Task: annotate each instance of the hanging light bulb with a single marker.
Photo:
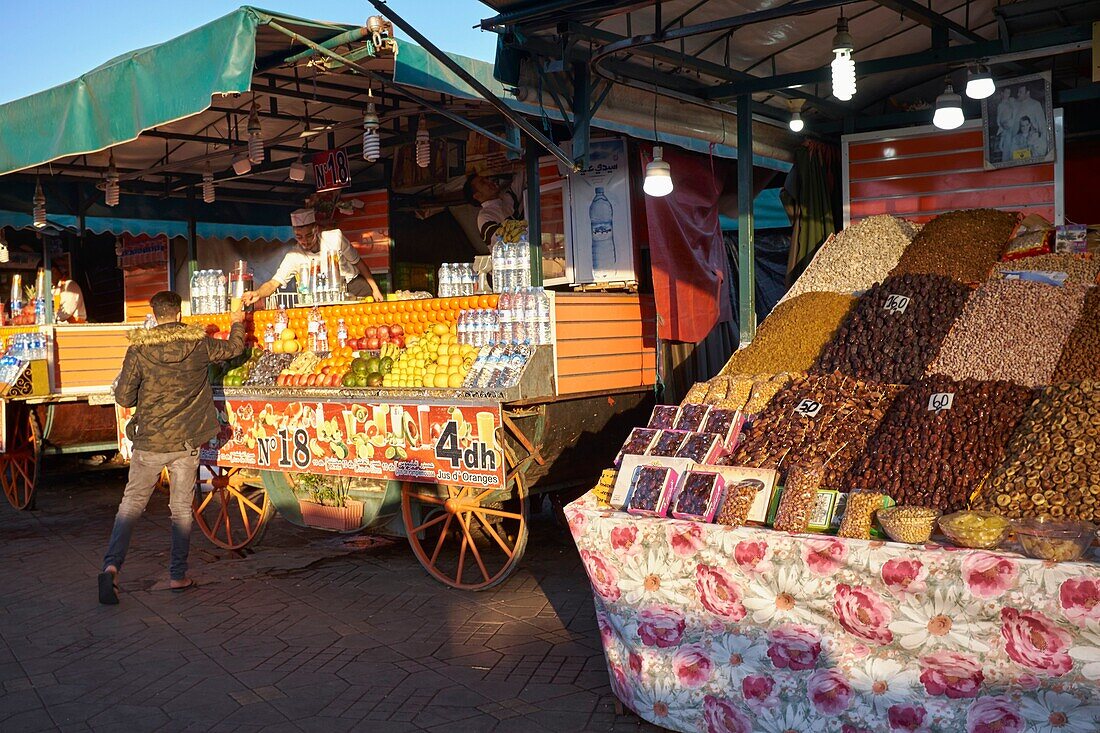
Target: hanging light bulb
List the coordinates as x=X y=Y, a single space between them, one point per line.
x=423 y=145
x=242 y=165
x=372 y=141
x=796 y=124
x=39 y=211
x=949 y=112
x=979 y=82
x=298 y=168
x=843 y=66
x=255 y=135
x=208 y=194
x=111 y=192
x=658 y=175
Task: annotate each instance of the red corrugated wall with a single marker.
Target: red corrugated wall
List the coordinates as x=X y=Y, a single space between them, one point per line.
x=920 y=176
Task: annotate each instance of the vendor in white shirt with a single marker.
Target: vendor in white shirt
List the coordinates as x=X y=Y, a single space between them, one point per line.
x=357 y=276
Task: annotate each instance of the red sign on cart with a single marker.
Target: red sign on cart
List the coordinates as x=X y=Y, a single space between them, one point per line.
x=423 y=443
x=331 y=170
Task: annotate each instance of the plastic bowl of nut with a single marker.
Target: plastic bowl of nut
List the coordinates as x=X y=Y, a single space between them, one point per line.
x=1049 y=539
x=975 y=529
x=910 y=524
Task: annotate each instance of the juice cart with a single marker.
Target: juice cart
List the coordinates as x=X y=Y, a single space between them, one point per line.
x=455 y=471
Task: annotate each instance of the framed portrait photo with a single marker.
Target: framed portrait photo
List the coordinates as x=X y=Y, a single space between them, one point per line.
x=1018 y=123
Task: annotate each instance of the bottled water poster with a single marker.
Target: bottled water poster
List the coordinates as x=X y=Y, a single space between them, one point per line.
x=603 y=243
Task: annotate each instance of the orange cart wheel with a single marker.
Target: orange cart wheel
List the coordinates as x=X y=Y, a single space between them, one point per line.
x=464 y=537
x=230 y=513
x=19 y=465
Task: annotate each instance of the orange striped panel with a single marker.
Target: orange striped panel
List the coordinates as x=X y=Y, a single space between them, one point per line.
x=605 y=341
x=140 y=285
x=368 y=228
x=89 y=357
x=925 y=175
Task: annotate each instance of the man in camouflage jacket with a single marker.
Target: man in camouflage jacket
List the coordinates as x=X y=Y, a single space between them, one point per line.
x=165 y=376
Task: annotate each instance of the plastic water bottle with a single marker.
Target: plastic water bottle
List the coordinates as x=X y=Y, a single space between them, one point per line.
x=150 y=321
x=223 y=293
x=519 y=317
x=194 y=292
x=444 y=281
x=281 y=320
x=313 y=327
x=504 y=318
x=601 y=215
x=322 y=337
x=545 y=333
x=341 y=333
x=269 y=337
x=523 y=263
x=462 y=326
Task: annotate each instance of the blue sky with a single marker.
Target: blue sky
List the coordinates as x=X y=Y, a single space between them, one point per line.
x=47 y=42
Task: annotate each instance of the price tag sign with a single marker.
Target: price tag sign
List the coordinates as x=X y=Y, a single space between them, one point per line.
x=941 y=401
x=896 y=304
x=808 y=408
x=331 y=170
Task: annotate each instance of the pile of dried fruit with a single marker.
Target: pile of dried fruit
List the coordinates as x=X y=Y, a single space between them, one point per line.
x=895 y=330
x=963 y=245
x=857 y=257
x=1081 y=271
x=1053 y=460
x=747 y=393
x=1012 y=330
x=939 y=440
x=791 y=337
x=828 y=417
x=1080 y=359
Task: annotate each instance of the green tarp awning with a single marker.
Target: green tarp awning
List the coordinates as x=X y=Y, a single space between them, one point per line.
x=146 y=88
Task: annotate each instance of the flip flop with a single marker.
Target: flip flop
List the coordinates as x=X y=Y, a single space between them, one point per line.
x=190 y=584
x=108 y=589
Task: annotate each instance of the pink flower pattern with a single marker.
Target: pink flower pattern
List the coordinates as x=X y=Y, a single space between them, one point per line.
x=1024 y=632
x=1080 y=600
x=1033 y=641
x=863 y=614
x=718 y=593
x=988 y=575
x=996 y=714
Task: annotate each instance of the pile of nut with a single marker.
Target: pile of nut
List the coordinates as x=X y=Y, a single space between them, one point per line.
x=792 y=335
x=939 y=440
x=963 y=245
x=1052 y=465
x=1081 y=271
x=1080 y=357
x=1012 y=330
x=895 y=330
x=854 y=259
x=827 y=417
x=268 y=368
x=748 y=393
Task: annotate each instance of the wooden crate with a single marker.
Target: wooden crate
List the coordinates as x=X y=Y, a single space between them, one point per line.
x=605 y=341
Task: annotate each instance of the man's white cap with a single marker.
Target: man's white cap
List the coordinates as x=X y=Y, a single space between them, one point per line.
x=303 y=217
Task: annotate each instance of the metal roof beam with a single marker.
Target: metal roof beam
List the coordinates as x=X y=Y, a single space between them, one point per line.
x=930 y=18
x=1021 y=47
x=710 y=68
x=549 y=12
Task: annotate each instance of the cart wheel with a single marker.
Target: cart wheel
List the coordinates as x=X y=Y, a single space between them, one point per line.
x=19 y=465
x=461 y=538
x=230 y=514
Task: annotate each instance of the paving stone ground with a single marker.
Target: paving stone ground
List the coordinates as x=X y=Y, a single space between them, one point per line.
x=312 y=632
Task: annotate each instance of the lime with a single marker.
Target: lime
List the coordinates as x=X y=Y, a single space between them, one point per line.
x=385 y=365
x=374 y=364
x=360 y=380
x=349 y=380
x=359 y=366
x=374 y=379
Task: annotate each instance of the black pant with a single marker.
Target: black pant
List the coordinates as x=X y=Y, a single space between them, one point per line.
x=359 y=287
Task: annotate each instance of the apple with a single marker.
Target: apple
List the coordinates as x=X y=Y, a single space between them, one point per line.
x=397 y=330
x=371 y=332
x=326 y=370
x=383 y=332
x=281 y=380
x=373 y=344
x=399 y=341
x=211 y=329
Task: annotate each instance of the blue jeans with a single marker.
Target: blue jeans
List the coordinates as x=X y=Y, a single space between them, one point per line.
x=145 y=468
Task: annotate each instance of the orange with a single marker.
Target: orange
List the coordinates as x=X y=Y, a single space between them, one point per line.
x=434 y=304
x=493 y=300
x=277 y=346
x=483 y=301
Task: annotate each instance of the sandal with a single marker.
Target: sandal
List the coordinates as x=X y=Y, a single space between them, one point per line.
x=108 y=588
x=180 y=589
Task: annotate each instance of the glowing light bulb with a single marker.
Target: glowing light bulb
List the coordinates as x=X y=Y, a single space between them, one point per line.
x=843 y=65
x=658 y=175
x=949 y=113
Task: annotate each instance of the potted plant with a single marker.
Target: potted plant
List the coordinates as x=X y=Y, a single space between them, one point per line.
x=326 y=503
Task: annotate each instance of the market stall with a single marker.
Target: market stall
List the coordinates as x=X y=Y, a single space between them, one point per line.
x=880 y=515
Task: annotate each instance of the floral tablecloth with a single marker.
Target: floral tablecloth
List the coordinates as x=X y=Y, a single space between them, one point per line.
x=732 y=630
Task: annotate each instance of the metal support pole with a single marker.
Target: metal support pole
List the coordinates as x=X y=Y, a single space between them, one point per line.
x=582 y=111
x=534 y=209
x=192 y=250
x=746 y=259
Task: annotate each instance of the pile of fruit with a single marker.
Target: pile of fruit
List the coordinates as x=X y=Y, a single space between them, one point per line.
x=286 y=343
x=435 y=359
x=375 y=338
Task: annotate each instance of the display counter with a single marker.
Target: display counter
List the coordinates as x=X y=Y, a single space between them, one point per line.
x=715 y=628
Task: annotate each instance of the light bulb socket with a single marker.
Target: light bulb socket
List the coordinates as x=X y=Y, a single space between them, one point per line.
x=842 y=41
x=298 y=171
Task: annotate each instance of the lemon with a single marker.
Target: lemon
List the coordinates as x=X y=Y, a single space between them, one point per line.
x=440 y=379
x=454 y=381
